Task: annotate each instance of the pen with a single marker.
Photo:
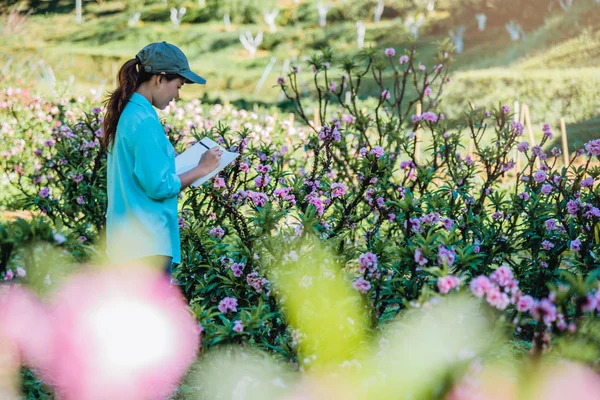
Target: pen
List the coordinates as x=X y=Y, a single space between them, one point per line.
x=205 y=146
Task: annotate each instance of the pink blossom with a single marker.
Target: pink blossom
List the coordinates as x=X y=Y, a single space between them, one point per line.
x=21 y=272
x=429 y=116
x=338 y=189
x=502 y=276
x=228 y=304
x=244 y=167
x=590 y=303
x=219 y=183
x=262 y=181
x=368 y=261
x=9 y=275
x=403 y=60
x=422 y=67
x=385 y=94
x=348 y=118
x=280 y=80
x=427 y=92
x=446 y=283
x=480 y=286
x=505 y=109
x=332 y=87
x=362 y=285
x=390 y=52
x=377 y=151
x=238 y=327
x=80 y=200
x=525 y=303
x=497 y=299
x=545 y=310
x=237 y=269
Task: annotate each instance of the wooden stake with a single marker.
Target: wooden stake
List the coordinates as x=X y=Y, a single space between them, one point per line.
x=274 y=119
x=565 y=143
x=316 y=123
x=530 y=130
x=517 y=155
x=418 y=136
x=291 y=118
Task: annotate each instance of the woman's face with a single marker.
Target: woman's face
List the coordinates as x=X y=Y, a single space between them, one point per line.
x=165 y=91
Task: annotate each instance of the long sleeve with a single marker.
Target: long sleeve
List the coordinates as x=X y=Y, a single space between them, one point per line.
x=153 y=162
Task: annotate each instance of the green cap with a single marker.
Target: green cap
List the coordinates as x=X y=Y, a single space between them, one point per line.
x=164 y=57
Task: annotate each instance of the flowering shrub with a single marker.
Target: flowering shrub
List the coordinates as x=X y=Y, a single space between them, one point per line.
x=405 y=226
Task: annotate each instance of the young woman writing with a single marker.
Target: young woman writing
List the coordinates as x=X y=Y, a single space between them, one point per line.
x=142 y=185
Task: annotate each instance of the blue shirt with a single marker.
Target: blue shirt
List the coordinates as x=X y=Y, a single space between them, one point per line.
x=143 y=188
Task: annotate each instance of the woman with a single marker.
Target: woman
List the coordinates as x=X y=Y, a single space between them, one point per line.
x=141 y=218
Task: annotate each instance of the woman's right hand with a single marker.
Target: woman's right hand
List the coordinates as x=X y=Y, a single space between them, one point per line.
x=210 y=159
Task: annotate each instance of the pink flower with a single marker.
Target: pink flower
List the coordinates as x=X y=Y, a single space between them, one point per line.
x=262 y=181
x=403 y=60
x=228 y=304
x=422 y=67
x=446 y=283
x=280 y=80
x=238 y=327
x=427 y=92
x=385 y=94
x=237 y=269
x=502 y=276
x=219 y=183
x=590 y=303
x=525 y=303
x=544 y=309
x=332 y=87
x=244 y=167
x=377 y=151
x=390 y=52
x=497 y=299
x=367 y=261
x=505 y=109
x=429 y=116
x=21 y=272
x=338 y=189
x=348 y=119
x=9 y=275
x=80 y=200
x=362 y=285
x=517 y=128
x=480 y=286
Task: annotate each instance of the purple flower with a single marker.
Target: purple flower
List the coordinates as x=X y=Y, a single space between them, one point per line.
x=448 y=223
x=505 y=109
x=524 y=196
x=427 y=91
x=419 y=258
x=572 y=207
x=390 y=52
x=517 y=128
x=593 y=147
x=385 y=94
x=525 y=303
x=217 y=232
x=280 y=80
x=362 y=285
x=367 y=261
x=422 y=67
x=429 y=116
x=403 y=60
x=546 y=189
x=575 y=245
x=80 y=200
x=228 y=303
x=96 y=110
x=547 y=245
x=587 y=182
x=332 y=87
x=44 y=192
x=338 y=189
x=523 y=147
x=539 y=176
x=445 y=256
x=547 y=131
x=551 y=224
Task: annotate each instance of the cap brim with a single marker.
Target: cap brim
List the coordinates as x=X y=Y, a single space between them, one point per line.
x=193 y=77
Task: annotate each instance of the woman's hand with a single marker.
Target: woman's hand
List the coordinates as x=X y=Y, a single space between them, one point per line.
x=208 y=162
x=210 y=159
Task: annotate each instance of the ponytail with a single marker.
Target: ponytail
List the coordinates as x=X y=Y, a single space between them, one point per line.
x=131 y=76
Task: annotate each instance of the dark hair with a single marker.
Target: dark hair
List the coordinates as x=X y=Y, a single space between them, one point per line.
x=130 y=76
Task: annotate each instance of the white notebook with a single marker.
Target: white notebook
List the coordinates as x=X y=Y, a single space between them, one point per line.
x=190 y=158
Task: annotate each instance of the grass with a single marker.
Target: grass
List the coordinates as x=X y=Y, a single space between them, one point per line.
x=491 y=69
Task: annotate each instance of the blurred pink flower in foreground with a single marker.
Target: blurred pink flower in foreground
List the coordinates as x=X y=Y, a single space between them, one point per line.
x=120 y=333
